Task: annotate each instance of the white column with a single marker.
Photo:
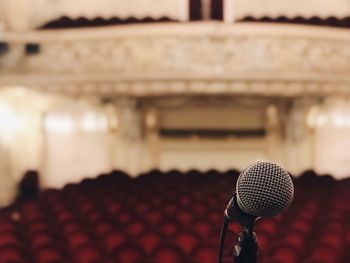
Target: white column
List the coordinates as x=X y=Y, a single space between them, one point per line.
x=332 y=138
x=184 y=10
x=152 y=137
x=76 y=143
x=298 y=138
x=18 y=14
x=2 y=16
x=229 y=11
x=274 y=134
x=8 y=182
x=130 y=151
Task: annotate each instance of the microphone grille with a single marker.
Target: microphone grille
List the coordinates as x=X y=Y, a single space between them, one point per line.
x=264 y=189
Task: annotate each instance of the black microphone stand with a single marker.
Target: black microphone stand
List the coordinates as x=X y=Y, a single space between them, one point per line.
x=245 y=251
x=246 y=248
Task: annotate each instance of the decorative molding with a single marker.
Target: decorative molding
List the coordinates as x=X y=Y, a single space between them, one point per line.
x=203 y=58
x=192 y=87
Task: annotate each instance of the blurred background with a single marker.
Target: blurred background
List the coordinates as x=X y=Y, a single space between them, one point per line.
x=108 y=104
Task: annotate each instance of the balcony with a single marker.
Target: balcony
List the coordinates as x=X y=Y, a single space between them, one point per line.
x=184 y=58
x=24 y=15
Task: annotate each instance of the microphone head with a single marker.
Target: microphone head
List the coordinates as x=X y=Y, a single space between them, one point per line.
x=264 y=189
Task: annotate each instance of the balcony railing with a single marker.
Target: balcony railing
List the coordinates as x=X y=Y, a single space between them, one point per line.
x=32 y=14
x=252 y=58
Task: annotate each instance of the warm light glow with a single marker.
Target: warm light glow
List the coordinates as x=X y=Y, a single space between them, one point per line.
x=92 y=121
x=272 y=115
x=113 y=123
x=337 y=118
x=113 y=118
x=340 y=121
x=59 y=123
x=321 y=120
x=312 y=117
x=10 y=122
x=151 y=119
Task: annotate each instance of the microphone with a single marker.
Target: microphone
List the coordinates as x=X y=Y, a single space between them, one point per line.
x=263 y=189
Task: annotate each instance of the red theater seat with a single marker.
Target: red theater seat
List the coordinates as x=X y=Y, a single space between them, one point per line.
x=171 y=217
x=149 y=241
x=77 y=239
x=169 y=228
x=113 y=240
x=135 y=228
x=129 y=253
x=42 y=239
x=267 y=226
x=88 y=254
x=103 y=227
x=64 y=216
x=324 y=254
x=48 y=254
x=295 y=240
x=203 y=228
x=332 y=240
x=187 y=241
x=167 y=253
x=263 y=241
x=154 y=217
x=11 y=253
x=205 y=254
x=185 y=218
x=7 y=227
x=114 y=208
x=285 y=254
x=9 y=239
x=301 y=226
x=38 y=227
x=70 y=227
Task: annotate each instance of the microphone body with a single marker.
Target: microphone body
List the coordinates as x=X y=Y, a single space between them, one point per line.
x=233 y=212
x=264 y=189
x=246 y=249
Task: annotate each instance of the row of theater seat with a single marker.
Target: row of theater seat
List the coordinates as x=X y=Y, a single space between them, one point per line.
x=171 y=217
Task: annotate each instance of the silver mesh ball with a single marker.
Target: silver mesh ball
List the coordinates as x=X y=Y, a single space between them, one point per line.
x=264 y=189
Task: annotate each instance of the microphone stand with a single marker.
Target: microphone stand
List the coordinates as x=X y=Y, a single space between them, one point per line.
x=246 y=248
x=245 y=251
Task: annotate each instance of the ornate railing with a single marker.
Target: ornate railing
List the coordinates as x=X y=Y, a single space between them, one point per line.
x=30 y=14
x=182 y=58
